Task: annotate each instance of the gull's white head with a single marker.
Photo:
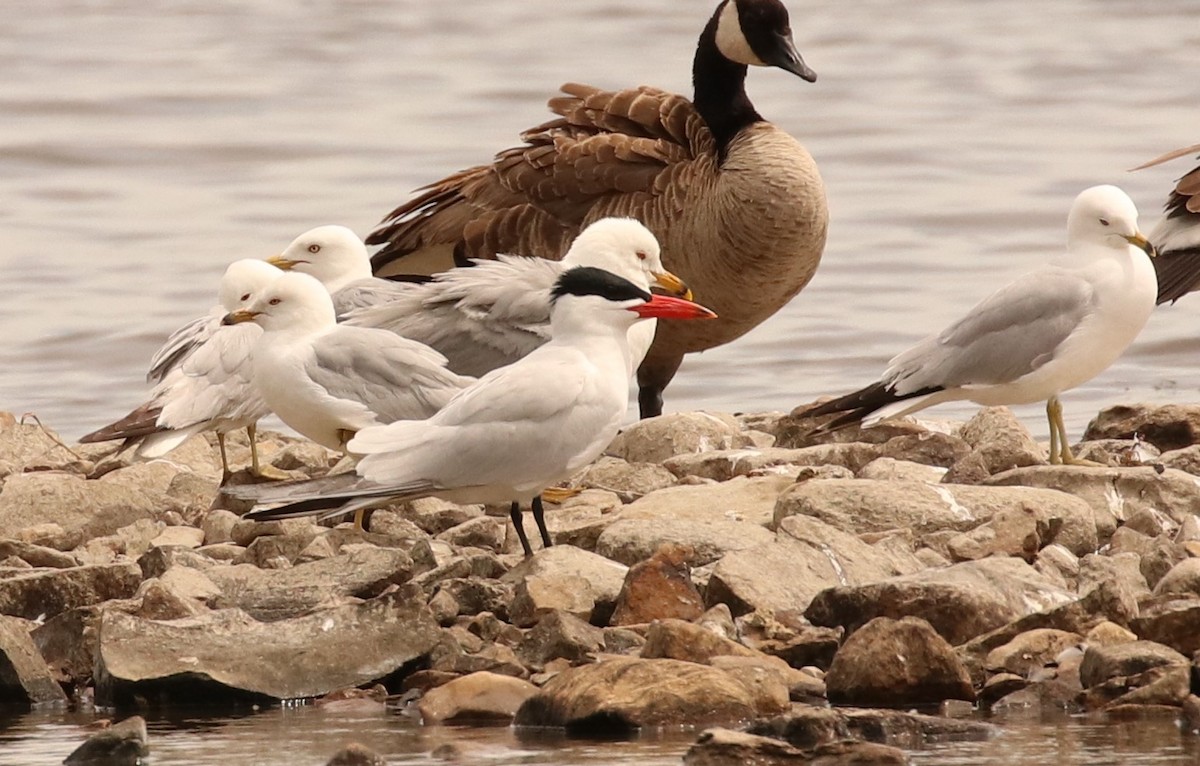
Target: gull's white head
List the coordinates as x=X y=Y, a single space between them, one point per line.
x=626 y=248
x=291 y=303
x=1104 y=215
x=243 y=281
x=333 y=254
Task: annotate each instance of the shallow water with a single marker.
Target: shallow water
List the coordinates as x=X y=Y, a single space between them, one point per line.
x=148 y=143
x=310 y=734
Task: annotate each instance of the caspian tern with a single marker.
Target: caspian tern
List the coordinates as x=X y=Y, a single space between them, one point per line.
x=1045 y=333
x=203 y=373
x=517 y=430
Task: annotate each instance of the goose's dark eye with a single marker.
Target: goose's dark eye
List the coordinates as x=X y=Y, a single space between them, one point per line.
x=314 y=248
x=275 y=301
x=1104 y=222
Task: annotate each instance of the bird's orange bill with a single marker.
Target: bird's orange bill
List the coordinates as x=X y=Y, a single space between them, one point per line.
x=241 y=315
x=672 y=284
x=666 y=307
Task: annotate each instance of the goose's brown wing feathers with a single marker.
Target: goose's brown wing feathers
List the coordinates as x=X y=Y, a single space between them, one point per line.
x=607 y=153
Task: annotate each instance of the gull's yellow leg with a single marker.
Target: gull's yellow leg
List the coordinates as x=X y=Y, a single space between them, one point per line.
x=251 y=434
x=225 y=472
x=1065 y=456
x=1054 y=458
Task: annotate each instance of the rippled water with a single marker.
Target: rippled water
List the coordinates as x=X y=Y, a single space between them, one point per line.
x=147 y=143
x=309 y=735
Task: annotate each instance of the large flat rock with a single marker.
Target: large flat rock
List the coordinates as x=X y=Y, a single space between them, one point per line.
x=742 y=499
x=229 y=653
x=44 y=593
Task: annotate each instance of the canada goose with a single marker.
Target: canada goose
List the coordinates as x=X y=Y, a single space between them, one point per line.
x=1049 y=331
x=203 y=374
x=737 y=203
x=1177 y=235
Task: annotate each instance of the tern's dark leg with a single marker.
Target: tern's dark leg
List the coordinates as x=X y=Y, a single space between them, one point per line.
x=650 y=402
x=519 y=524
x=539 y=515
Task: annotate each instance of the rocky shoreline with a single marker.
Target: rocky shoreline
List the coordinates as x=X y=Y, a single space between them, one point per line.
x=713 y=571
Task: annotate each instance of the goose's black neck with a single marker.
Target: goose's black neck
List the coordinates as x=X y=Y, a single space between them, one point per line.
x=720 y=89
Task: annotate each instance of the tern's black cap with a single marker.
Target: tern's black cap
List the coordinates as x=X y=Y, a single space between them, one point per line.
x=588 y=280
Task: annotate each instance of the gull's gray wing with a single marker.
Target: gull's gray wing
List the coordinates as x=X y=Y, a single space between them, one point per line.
x=480 y=317
x=182 y=343
x=365 y=293
x=1010 y=334
x=393 y=377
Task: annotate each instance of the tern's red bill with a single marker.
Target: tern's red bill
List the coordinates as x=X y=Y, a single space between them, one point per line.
x=668 y=307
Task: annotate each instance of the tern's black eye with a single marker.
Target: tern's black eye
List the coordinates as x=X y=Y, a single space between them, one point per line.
x=314 y=248
x=1104 y=222
x=275 y=301
x=245 y=297
x=641 y=254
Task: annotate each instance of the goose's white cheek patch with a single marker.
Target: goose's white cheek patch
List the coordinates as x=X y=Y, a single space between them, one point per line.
x=730 y=40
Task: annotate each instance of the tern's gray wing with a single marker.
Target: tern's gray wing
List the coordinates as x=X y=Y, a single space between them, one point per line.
x=182 y=343
x=365 y=293
x=1010 y=334
x=480 y=317
x=393 y=377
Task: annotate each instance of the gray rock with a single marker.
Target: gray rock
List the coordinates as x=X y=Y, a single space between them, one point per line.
x=475 y=595
x=1101 y=663
x=122 y=744
x=271 y=595
x=726 y=747
x=231 y=653
x=606 y=577
x=622 y=695
x=32 y=447
x=723 y=465
x=538 y=595
x=861 y=505
x=1123 y=569
x=485 y=532
x=680 y=640
x=1114 y=494
x=560 y=635
x=83 y=509
x=355 y=754
x=629 y=481
x=434 y=516
x=1001 y=440
x=1182 y=580
x=891 y=469
x=781 y=576
x=630 y=540
x=896 y=662
x=43 y=593
x=1172 y=622
x=750 y=500
x=1168 y=427
x=24 y=675
x=960 y=602
x=479 y=696
x=653 y=440
x=37 y=555
x=805 y=726
x=1030 y=651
